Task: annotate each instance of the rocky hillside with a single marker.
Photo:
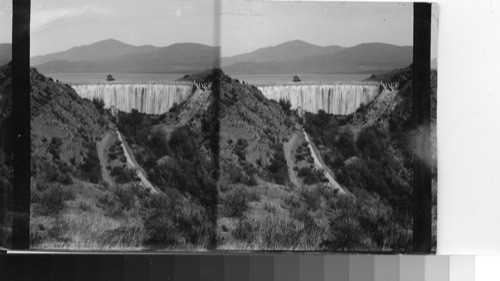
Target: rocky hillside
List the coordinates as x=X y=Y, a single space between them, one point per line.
x=371 y=153
x=176 y=152
x=252 y=130
x=64 y=129
x=86 y=196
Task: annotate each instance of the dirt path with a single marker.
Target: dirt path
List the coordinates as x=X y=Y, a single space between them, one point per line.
x=101 y=145
x=132 y=164
x=288 y=147
x=318 y=162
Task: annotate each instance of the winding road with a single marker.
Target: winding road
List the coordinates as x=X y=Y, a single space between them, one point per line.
x=131 y=164
x=318 y=162
x=101 y=145
x=288 y=147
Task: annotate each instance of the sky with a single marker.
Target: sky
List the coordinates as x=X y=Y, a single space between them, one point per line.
x=5 y=21
x=246 y=25
x=57 y=25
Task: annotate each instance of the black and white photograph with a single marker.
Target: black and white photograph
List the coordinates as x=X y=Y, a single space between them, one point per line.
x=249 y=140
x=120 y=127
x=225 y=125
x=316 y=140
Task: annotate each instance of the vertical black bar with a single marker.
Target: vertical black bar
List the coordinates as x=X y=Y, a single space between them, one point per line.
x=215 y=123
x=422 y=178
x=21 y=115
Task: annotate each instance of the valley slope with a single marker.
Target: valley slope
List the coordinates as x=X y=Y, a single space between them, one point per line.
x=87 y=195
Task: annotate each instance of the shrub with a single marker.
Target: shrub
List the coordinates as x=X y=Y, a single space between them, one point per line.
x=54 y=147
x=124 y=175
x=234 y=203
x=91 y=166
x=244 y=231
x=273 y=232
x=175 y=221
x=346 y=144
x=371 y=143
x=278 y=169
x=65 y=179
x=285 y=105
x=183 y=142
x=98 y=103
x=84 y=206
x=312 y=175
x=174 y=107
x=126 y=196
x=52 y=200
x=240 y=149
x=158 y=144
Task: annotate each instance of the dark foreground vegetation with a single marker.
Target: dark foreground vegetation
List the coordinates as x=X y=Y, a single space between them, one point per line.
x=177 y=161
x=378 y=173
x=371 y=154
x=171 y=162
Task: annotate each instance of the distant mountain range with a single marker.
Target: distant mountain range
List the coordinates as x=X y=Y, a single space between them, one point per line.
x=363 y=58
x=285 y=52
x=101 y=50
x=115 y=56
x=5 y=53
x=287 y=58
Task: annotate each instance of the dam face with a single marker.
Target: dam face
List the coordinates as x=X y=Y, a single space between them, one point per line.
x=335 y=98
x=146 y=98
x=340 y=98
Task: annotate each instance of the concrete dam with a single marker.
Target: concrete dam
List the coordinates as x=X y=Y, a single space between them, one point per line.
x=339 y=98
x=151 y=98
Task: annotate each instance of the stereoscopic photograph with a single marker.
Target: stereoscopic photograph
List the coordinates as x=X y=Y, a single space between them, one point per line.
x=225 y=125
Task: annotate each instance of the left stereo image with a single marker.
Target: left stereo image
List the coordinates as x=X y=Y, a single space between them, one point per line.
x=121 y=131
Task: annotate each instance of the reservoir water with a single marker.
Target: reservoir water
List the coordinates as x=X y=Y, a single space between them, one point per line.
x=131 y=77
x=125 y=77
x=326 y=78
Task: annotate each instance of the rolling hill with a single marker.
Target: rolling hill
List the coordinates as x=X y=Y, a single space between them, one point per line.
x=282 y=53
x=177 y=58
x=287 y=58
x=363 y=58
x=97 y=51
